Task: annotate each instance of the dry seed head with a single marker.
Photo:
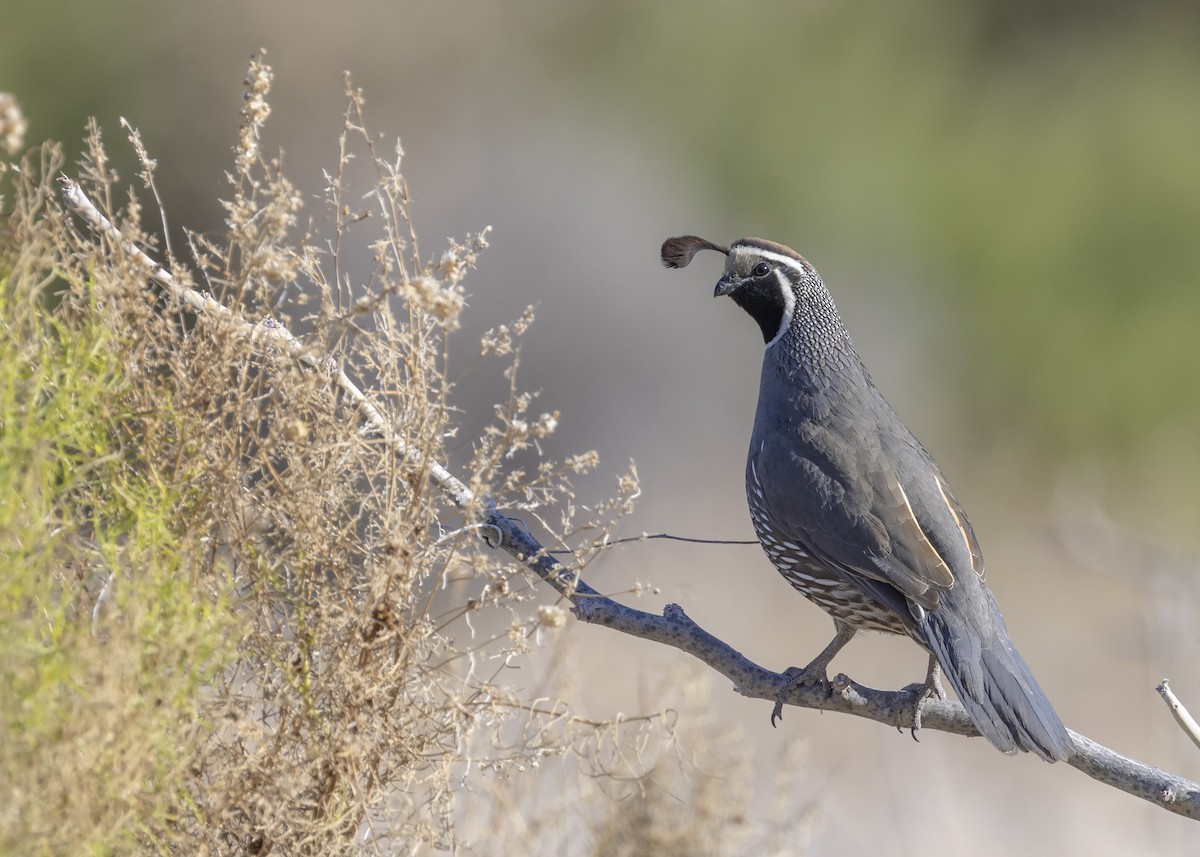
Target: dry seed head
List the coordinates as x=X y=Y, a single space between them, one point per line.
x=13 y=124
x=583 y=463
x=254 y=112
x=443 y=302
x=552 y=616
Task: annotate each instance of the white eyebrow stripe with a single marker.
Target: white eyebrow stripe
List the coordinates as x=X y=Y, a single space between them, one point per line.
x=774 y=257
x=789 y=307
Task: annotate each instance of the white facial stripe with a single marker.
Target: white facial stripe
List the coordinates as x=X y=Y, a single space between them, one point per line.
x=774 y=257
x=789 y=302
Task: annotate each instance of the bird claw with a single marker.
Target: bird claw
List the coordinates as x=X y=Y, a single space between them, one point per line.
x=931 y=688
x=797 y=677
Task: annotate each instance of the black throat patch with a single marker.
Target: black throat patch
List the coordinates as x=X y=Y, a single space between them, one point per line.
x=764 y=301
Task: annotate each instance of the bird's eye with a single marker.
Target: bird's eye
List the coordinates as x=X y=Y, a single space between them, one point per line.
x=761 y=269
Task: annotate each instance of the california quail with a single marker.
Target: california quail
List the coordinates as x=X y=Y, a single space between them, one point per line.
x=853 y=511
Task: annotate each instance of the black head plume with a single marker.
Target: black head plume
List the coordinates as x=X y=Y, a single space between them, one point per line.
x=678 y=252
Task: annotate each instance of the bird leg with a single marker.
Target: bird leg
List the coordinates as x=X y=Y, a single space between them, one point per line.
x=930 y=689
x=815 y=671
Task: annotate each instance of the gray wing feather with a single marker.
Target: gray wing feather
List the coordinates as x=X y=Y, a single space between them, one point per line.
x=844 y=500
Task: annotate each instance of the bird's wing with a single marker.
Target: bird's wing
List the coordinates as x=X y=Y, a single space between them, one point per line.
x=843 y=497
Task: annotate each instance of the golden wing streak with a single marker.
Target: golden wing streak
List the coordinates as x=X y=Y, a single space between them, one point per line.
x=938 y=570
x=963 y=530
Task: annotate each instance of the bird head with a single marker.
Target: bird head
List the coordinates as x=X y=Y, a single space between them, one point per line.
x=765 y=279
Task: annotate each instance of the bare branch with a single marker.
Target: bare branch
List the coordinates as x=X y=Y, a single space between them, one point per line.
x=894 y=708
x=673 y=628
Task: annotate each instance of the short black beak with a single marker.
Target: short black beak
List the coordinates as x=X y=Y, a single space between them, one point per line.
x=725 y=285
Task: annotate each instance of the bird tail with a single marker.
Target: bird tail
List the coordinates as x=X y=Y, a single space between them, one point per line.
x=994 y=684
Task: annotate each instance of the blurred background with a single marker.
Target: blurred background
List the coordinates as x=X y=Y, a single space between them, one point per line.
x=1003 y=197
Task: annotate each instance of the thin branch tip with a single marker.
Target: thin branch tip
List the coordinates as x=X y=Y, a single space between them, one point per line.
x=1179 y=711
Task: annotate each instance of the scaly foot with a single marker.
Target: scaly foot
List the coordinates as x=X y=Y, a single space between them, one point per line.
x=815 y=671
x=931 y=688
x=797 y=677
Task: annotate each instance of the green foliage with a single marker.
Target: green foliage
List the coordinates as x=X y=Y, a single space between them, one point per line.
x=106 y=640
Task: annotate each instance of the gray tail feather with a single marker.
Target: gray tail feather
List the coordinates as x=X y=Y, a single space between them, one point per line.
x=997 y=689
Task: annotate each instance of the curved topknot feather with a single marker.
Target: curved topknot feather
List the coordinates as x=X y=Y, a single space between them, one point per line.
x=678 y=252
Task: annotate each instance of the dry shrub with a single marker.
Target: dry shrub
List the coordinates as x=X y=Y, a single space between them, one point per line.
x=236 y=617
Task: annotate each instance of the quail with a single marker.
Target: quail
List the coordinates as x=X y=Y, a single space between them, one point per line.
x=856 y=515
